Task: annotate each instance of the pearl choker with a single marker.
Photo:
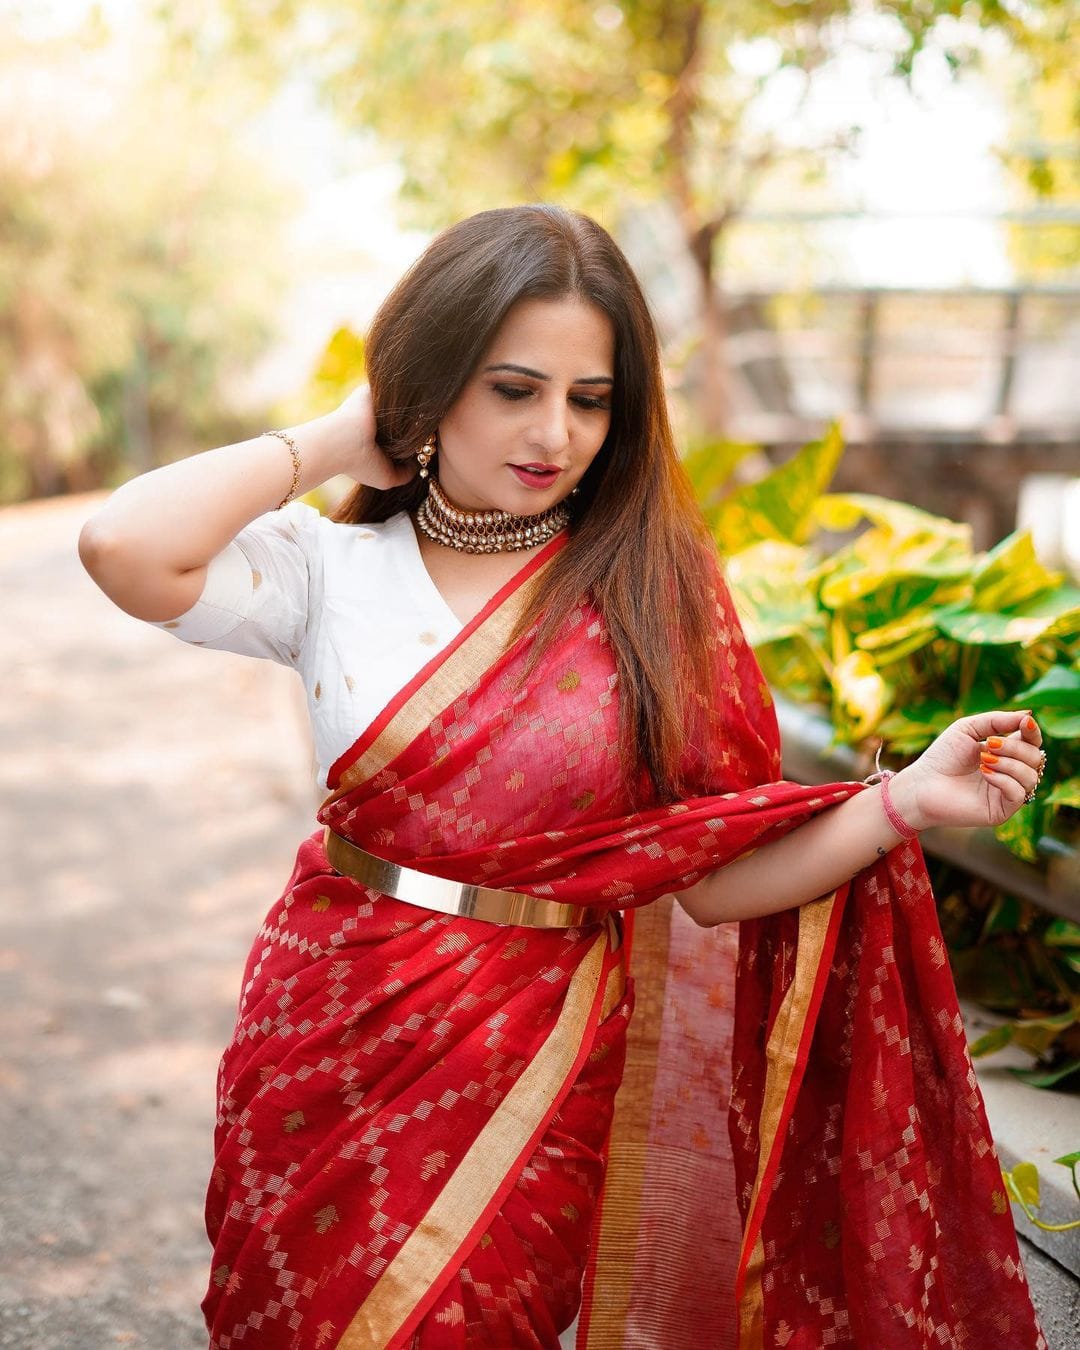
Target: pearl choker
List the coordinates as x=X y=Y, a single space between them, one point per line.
x=485 y=531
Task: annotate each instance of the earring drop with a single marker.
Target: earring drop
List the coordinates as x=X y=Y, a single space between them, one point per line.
x=424 y=455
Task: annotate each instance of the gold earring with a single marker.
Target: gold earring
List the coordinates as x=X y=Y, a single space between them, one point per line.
x=424 y=455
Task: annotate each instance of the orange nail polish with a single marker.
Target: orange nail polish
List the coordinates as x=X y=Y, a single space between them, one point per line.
x=995 y=742
x=986 y=769
x=988 y=758
x=1030 y=724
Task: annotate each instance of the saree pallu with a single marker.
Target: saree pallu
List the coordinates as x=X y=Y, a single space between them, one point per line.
x=417 y=1110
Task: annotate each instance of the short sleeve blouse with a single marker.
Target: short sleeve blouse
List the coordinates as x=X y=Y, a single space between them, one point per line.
x=352 y=608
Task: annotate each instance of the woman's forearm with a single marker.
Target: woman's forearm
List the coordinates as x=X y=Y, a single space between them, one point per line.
x=181 y=515
x=149 y=545
x=810 y=861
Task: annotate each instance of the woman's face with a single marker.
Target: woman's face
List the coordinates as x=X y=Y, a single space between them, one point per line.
x=534 y=412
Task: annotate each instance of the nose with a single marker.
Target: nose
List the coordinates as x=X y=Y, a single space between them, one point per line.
x=550 y=429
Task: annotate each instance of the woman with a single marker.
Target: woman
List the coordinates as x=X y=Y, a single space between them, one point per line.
x=533 y=709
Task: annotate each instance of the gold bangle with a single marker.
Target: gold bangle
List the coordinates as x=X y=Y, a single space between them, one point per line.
x=284 y=435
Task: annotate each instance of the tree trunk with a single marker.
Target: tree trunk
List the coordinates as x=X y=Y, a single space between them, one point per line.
x=714 y=406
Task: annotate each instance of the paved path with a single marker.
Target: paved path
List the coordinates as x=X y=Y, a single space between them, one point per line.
x=152 y=799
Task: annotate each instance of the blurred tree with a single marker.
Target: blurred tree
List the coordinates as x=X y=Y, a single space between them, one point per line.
x=129 y=216
x=694 y=102
x=1044 y=158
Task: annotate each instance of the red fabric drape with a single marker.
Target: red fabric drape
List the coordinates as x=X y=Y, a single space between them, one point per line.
x=376 y=1042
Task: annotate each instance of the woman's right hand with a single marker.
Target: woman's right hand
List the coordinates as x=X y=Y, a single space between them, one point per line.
x=365 y=461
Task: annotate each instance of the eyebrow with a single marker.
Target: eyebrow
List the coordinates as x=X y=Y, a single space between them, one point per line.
x=539 y=375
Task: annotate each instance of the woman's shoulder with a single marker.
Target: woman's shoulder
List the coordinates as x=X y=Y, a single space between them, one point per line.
x=349 y=550
x=308 y=524
x=348 y=534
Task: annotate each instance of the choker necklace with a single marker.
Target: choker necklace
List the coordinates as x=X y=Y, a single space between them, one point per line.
x=485 y=531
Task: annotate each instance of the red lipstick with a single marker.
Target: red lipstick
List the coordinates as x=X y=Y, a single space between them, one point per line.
x=536 y=475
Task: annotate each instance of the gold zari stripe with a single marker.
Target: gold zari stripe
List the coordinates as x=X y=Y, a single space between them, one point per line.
x=780 y=1055
x=457 y=1208
x=628 y=1150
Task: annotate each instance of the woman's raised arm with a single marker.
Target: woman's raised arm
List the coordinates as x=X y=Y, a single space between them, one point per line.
x=149 y=545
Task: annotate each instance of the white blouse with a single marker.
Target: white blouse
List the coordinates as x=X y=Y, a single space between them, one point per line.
x=352 y=608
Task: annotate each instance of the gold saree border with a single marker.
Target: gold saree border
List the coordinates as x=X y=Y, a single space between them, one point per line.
x=460 y=1205
x=781 y=1055
x=612 y=1273
x=460 y=669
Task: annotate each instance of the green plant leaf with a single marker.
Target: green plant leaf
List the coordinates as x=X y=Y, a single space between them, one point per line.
x=798 y=668
x=1056 y=614
x=897 y=639
x=912 y=567
x=1065 y=793
x=1062 y=932
x=769 y=583
x=910 y=729
x=1021 y=832
x=781 y=617
x=861 y=697
x=1069 y=1159
x=1025 y=1177
x=990 y=1041
x=709 y=467
x=1005 y=916
x=1043 y=1078
x=1037 y=1034
x=1059 y=687
x=1061 y=726
x=844 y=510
x=1010 y=574
x=780 y=506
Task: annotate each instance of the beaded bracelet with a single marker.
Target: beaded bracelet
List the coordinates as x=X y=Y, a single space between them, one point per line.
x=284 y=435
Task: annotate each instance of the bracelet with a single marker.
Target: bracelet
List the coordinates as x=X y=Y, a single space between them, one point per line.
x=284 y=435
x=892 y=815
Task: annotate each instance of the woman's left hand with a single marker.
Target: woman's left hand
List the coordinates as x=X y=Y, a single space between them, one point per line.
x=979 y=771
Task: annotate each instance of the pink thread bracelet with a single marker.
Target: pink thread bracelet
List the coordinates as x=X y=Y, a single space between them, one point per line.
x=892 y=815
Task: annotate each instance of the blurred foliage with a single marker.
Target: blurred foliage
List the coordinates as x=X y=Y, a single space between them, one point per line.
x=1019 y=960
x=898 y=627
x=130 y=214
x=883 y=616
x=697 y=105
x=1045 y=163
x=339 y=369
x=591 y=102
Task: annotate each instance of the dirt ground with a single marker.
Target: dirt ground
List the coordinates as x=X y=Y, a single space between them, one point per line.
x=153 y=798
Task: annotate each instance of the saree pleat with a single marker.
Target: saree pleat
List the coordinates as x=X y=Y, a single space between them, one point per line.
x=388 y=1024
x=419 y=1138
x=529 y=1263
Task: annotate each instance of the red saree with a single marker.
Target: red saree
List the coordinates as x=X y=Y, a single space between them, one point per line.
x=416 y=1110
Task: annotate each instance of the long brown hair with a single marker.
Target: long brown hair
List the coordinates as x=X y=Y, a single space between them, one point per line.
x=638 y=544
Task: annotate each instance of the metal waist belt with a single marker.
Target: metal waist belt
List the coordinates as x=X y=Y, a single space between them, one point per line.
x=453 y=897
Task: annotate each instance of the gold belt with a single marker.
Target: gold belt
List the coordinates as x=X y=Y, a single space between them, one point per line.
x=453 y=897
